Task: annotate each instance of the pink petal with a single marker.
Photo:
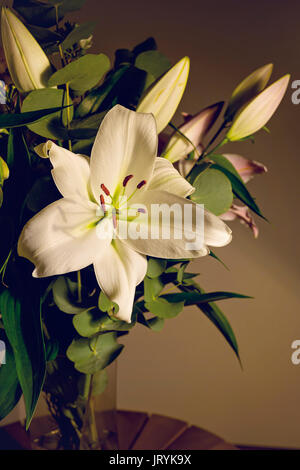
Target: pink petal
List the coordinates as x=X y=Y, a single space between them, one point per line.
x=204 y=120
x=243 y=214
x=246 y=168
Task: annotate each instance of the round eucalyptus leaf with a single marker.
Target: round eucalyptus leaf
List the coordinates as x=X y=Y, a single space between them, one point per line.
x=213 y=189
x=154 y=63
x=82 y=74
x=52 y=127
x=93 y=354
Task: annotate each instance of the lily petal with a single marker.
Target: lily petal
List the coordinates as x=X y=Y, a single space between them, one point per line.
x=246 y=168
x=194 y=128
x=118 y=271
x=172 y=239
x=126 y=144
x=71 y=171
x=167 y=178
x=62 y=238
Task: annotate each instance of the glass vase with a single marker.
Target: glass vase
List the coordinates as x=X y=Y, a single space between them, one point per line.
x=78 y=412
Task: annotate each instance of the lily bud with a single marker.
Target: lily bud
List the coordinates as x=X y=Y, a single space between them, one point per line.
x=248 y=89
x=27 y=63
x=245 y=167
x=164 y=97
x=257 y=113
x=243 y=214
x=4 y=174
x=194 y=129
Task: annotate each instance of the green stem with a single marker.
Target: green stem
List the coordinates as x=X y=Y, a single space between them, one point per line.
x=68 y=113
x=79 y=287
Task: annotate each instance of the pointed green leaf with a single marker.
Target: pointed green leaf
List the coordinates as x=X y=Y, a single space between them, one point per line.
x=23 y=119
x=22 y=322
x=10 y=390
x=191 y=298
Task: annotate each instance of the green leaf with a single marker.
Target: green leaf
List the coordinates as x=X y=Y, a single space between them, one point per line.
x=213 y=189
x=93 y=354
x=91 y=103
x=213 y=312
x=53 y=127
x=216 y=316
x=239 y=190
x=23 y=119
x=22 y=322
x=65 y=295
x=226 y=164
x=10 y=390
x=82 y=31
x=152 y=288
x=44 y=14
x=92 y=321
x=44 y=36
x=154 y=63
x=36 y=13
x=192 y=298
x=156 y=267
x=82 y=74
x=213 y=255
x=86 y=128
x=155 y=323
x=106 y=305
x=196 y=170
x=164 y=309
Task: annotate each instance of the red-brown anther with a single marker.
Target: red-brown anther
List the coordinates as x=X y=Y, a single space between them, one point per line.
x=141 y=184
x=105 y=190
x=126 y=179
x=102 y=203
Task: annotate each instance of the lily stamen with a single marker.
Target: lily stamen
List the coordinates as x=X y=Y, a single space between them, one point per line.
x=126 y=180
x=102 y=202
x=105 y=190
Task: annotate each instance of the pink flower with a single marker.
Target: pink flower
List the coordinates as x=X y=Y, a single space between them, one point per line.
x=243 y=214
x=246 y=168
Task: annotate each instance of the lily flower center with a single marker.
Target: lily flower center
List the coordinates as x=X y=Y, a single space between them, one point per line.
x=118 y=209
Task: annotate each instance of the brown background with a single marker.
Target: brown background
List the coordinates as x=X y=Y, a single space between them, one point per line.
x=187 y=370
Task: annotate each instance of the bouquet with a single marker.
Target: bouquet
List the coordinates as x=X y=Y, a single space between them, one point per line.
x=104 y=204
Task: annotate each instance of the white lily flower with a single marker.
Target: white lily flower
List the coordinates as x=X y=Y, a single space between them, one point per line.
x=163 y=98
x=28 y=65
x=85 y=226
x=257 y=113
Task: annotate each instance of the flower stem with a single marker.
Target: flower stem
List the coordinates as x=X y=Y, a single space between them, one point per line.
x=90 y=438
x=68 y=113
x=79 y=287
